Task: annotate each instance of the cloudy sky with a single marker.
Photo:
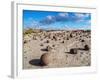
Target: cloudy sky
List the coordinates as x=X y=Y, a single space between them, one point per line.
x=56 y=20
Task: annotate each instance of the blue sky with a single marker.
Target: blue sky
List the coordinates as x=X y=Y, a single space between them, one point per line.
x=56 y=20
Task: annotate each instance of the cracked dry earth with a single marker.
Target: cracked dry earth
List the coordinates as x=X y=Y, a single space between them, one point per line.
x=60 y=43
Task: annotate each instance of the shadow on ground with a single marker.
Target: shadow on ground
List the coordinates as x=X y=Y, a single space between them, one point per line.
x=35 y=62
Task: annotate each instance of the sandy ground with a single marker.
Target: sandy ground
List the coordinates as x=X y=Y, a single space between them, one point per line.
x=60 y=42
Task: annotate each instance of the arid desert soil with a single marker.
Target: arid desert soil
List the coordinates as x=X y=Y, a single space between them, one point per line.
x=70 y=48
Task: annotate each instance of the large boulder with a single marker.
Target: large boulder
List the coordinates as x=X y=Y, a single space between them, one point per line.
x=52 y=59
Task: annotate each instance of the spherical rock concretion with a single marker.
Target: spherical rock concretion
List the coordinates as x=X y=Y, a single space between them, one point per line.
x=52 y=59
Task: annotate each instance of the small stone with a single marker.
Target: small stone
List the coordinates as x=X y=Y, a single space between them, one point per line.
x=49 y=48
x=62 y=42
x=53 y=45
x=73 y=51
x=86 y=47
x=82 y=40
x=41 y=44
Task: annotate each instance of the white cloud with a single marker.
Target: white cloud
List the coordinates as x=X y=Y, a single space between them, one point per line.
x=68 y=27
x=80 y=20
x=81 y=15
x=49 y=17
x=85 y=27
x=63 y=14
x=30 y=23
x=89 y=21
x=87 y=15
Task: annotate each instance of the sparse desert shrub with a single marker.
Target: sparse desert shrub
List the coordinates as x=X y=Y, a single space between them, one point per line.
x=73 y=51
x=86 y=47
x=88 y=31
x=25 y=41
x=29 y=31
x=34 y=38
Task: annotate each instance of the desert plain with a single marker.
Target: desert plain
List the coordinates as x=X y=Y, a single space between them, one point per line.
x=56 y=48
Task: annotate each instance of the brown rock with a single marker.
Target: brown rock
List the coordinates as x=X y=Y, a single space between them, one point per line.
x=52 y=59
x=44 y=60
x=62 y=42
x=49 y=48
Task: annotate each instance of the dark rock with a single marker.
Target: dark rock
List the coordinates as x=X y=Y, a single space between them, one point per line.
x=25 y=41
x=73 y=51
x=47 y=41
x=86 y=47
x=71 y=35
x=82 y=40
x=62 y=42
x=53 y=45
x=67 y=38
